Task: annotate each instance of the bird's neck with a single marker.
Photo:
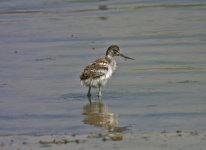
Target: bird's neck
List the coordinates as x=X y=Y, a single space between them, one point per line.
x=111 y=61
x=109 y=57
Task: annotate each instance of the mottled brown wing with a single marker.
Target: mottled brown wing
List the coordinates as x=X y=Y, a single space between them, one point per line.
x=90 y=74
x=95 y=70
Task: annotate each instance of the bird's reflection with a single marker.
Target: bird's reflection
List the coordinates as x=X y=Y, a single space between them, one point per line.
x=97 y=114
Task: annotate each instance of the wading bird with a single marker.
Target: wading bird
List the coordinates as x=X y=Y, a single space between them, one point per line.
x=96 y=74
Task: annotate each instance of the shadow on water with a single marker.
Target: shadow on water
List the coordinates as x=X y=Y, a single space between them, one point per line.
x=96 y=113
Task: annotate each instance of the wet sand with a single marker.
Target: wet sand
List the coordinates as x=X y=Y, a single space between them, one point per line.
x=184 y=140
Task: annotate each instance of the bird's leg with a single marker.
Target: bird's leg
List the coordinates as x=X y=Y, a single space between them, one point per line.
x=89 y=99
x=100 y=91
x=100 y=99
x=89 y=92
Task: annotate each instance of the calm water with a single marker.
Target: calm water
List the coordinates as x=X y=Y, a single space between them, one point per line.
x=45 y=45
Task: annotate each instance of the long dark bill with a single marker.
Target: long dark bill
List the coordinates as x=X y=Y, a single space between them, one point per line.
x=122 y=55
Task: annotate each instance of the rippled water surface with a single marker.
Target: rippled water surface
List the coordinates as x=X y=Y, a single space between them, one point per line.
x=44 y=46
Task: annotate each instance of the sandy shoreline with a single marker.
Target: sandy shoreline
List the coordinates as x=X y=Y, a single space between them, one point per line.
x=177 y=140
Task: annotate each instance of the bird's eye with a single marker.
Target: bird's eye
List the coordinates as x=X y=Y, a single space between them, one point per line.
x=116 y=50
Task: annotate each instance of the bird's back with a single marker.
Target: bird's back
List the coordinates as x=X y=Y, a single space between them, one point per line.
x=96 y=72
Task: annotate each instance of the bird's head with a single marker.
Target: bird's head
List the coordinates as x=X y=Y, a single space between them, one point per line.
x=114 y=50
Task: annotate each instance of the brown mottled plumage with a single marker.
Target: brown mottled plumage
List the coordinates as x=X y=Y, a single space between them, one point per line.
x=90 y=70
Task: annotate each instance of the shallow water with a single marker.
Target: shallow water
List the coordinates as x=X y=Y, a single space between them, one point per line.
x=45 y=45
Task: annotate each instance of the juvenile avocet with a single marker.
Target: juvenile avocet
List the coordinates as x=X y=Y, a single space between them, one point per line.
x=96 y=74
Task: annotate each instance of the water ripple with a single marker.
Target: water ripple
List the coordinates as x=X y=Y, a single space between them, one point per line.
x=104 y=8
